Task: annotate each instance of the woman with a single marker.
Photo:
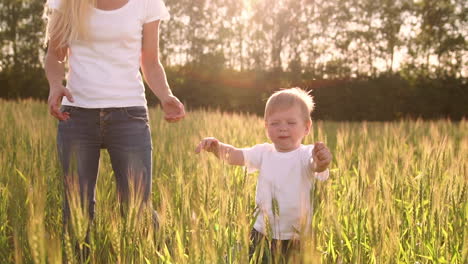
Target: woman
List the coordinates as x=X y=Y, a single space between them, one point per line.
x=105 y=42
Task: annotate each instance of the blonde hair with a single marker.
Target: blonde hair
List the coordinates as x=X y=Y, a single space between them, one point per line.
x=69 y=22
x=286 y=98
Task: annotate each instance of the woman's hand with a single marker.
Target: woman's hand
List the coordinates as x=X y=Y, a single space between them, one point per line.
x=173 y=109
x=56 y=94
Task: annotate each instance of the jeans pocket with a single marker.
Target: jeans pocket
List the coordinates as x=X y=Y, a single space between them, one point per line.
x=137 y=113
x=67 y=108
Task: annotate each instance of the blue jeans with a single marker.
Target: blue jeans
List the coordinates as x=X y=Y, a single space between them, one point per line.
x=124 y=132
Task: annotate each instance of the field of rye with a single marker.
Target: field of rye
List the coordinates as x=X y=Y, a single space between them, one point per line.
x=397 y=193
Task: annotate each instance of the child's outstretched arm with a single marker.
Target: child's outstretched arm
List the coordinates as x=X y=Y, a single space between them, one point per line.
x=232 y=155
x=321 y=157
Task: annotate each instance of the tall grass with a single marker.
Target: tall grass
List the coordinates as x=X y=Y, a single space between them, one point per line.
x=397 y=194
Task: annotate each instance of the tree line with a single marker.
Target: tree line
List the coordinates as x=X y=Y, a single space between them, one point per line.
x=364 y=59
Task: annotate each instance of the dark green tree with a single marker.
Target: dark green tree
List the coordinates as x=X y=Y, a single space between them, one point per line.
x=21 y=37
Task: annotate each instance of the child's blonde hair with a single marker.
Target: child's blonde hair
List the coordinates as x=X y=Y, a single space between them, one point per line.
x=286 y=98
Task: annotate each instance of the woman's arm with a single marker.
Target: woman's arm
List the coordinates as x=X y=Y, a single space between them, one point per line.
x=154 y=74
x=55 y=72
x=232 y=155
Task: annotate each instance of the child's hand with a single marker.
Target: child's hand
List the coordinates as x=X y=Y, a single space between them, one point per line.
x=321 y=157
x=209 y=144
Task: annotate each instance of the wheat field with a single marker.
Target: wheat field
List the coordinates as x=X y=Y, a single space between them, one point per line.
x=397 y=193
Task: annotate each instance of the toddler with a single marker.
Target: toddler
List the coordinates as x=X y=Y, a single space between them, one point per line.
x=287 y=170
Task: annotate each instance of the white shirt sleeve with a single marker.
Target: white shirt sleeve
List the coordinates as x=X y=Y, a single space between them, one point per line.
x=253 y=157
x=306 y=154
x=322 y=176
x=53 y=4
x=155 y=10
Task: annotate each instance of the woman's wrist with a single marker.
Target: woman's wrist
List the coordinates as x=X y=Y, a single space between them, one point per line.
x=166 y=95
x=55 y=86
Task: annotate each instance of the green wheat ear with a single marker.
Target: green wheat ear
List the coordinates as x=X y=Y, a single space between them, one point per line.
x=275 y=206
x=387 y=181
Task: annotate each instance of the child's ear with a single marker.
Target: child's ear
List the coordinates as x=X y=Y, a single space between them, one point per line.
x=308 y=126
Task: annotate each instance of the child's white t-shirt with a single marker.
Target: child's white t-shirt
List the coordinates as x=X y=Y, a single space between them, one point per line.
x=104 y=70
x=283 y=188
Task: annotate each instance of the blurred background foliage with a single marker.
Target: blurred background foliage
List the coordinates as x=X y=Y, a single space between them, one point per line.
x=363 y=59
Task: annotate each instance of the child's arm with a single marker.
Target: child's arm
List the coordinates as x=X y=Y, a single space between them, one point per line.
x=321 y=157
x=232 y=155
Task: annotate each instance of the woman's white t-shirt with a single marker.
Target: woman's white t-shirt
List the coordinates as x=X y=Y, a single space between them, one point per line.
x=104 y=70
x=283 y=189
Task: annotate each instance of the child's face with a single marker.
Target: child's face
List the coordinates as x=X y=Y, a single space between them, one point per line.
x=287 y=128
